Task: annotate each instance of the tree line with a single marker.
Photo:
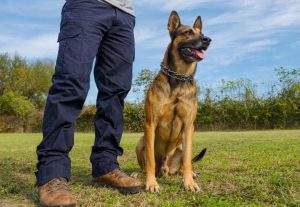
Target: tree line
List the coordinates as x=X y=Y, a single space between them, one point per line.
x=23 y=89
x=234 y=104
x=231 y=105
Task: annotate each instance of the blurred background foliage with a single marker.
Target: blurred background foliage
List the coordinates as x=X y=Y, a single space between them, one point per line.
x=230 y=105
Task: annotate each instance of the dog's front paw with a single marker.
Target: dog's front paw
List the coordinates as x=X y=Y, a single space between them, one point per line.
x=152 y=186
x=191 y=185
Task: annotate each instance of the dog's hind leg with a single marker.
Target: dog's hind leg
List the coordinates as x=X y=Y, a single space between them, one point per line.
x=175 y=161
x=141 y=153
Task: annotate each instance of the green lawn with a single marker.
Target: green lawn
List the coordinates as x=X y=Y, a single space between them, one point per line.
x=256 y=168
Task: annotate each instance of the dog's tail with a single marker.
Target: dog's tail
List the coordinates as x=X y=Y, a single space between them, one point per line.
x=199 y=156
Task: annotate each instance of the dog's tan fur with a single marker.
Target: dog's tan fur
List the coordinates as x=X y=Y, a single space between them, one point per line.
x=170 y=110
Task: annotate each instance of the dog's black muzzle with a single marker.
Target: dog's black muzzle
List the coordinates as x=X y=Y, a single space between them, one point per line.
x=205 y=40
x=193 y=50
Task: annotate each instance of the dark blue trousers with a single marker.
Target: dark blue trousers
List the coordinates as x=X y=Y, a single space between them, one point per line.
x=88 y=29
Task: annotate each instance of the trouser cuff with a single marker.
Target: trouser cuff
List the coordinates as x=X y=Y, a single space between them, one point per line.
x=45 y=174
x=104 y=163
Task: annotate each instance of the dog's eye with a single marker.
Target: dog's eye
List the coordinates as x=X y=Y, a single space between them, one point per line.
x=189 y=32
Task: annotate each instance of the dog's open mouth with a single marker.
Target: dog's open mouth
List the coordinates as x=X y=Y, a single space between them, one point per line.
x=195 y=53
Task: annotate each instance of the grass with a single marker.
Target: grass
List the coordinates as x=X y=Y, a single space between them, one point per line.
x=255 y=168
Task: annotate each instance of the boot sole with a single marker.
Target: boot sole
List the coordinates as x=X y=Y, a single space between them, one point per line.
x=123 y=190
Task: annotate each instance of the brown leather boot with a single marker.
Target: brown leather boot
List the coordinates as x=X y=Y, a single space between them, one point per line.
x=119 y=180
x=56 y=193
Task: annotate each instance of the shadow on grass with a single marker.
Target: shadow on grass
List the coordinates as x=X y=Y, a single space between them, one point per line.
x=17 y=180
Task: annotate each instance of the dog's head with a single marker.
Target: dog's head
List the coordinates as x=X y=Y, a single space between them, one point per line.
x=188 y=42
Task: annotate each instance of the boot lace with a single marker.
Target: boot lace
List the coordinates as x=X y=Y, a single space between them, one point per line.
x=58 y=184
x=120 y=174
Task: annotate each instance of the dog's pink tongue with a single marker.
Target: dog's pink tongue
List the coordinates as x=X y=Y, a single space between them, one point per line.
x=200 y=54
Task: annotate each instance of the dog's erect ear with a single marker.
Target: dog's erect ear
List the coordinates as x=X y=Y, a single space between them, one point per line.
x=198 y=23
x=174 y=22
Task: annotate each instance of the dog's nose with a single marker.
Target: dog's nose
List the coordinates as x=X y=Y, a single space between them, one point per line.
x=206 y=40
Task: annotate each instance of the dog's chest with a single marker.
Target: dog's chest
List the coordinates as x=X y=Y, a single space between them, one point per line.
x=174 y=115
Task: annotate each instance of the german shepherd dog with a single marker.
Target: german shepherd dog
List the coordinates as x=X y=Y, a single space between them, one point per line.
x=171 y=106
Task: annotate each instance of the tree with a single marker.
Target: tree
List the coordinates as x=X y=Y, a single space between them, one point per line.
x=85 y=121
x=289 y=95
x=142 y=82
x=29 y=80
x=12 y=103
x=8 y=64
x=134 y=117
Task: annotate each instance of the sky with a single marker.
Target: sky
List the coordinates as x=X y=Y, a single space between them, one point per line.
x=250 y=38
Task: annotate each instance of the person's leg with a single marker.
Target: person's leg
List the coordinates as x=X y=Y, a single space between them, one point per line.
x=83 y=24
x=113 y=76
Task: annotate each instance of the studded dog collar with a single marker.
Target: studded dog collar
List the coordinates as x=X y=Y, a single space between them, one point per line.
x=175 y=75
